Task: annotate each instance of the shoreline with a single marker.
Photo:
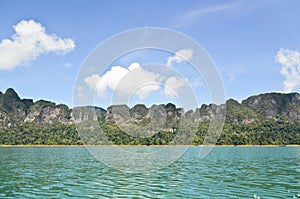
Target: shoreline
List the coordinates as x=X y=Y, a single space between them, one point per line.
x=190 y=145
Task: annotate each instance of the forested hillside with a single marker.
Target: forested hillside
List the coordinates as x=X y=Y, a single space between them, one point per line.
x=271 y=118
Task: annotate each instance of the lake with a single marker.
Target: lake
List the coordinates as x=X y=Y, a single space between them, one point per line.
x=226 y=172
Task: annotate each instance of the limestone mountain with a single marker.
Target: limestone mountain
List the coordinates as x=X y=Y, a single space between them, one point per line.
x=15 y=111
x=272 y=118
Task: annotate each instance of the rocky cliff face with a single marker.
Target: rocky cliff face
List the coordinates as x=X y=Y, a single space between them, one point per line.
x=275 y=106
x=92 y=113
x=45 y=112
x=272 y=106
x=159 y=116
x=15 y=111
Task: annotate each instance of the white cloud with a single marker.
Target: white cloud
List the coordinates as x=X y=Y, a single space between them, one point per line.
x=134 y=65
x=135 y=81
x=125 y=81
x=145 y=89
x=173 y=85
x=92 y=81
x=111 y=79
x=181 y=56
x=290 y=68
x=139 y=81
x=29 y=41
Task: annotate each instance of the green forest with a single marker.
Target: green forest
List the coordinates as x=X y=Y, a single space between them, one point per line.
x=262 y=133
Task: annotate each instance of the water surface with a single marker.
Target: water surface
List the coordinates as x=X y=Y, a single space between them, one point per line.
x=227 y=172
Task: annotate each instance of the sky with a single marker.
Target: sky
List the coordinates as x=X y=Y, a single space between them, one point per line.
x=254 y=45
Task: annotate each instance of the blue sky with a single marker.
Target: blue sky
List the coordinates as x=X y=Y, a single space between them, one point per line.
x=254 y=44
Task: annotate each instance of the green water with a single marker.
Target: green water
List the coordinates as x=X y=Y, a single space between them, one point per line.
x=227 y=172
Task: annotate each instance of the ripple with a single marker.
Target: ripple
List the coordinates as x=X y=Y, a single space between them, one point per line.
x=227 y=172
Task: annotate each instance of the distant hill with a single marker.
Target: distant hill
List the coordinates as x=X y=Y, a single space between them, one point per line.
x=271 y=118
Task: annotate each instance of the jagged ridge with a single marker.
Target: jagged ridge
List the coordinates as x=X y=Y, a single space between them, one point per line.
x=15 y=111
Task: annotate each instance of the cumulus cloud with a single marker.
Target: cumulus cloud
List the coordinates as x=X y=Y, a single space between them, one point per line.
x=173 y=85
x=29 y=41
x=181 y=56
x=139 y=81
x=290 y=68
x=125 y=81
x=92 y=81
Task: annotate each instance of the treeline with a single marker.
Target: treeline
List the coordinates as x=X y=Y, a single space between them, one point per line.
x=31 y=134
x=269 y=132
x=271 y=118
x=261 y=133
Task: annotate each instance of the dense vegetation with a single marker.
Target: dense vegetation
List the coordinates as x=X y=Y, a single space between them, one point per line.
x=272 y=119
x=263 y=133
x=30 y=134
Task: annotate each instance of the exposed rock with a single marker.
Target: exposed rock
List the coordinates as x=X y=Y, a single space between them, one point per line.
x=271 y=106
x=119 y=114
x=189 y=114
x=80 y=114
x=4 y=120
x=275 y=106
x=139 y=111
x=11 y=93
